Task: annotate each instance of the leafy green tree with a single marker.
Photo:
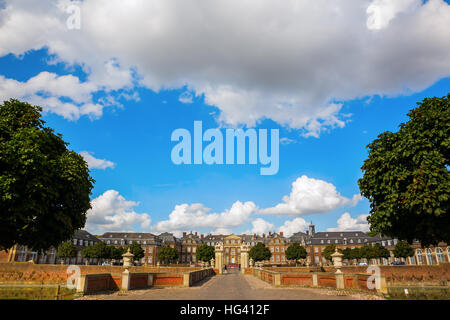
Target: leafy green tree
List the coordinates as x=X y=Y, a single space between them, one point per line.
x=403 y=250
x=116 y=253
x=406 y=176
x=367 y=252
x=44 y=187
x=295 y=252
x=381 y=252
x=87 y=252
x=205 y=252
x=168 y=254
x=355 y=254
x=66 y=250
x=136 y=249
x=328 y=251
x=347 y=252
x=259 y=252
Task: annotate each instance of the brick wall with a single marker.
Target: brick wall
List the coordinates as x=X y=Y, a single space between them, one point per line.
x=46 y=273
x=173 y=279
x=437 y=274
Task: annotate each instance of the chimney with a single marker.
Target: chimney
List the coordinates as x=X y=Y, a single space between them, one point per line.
x=270 y=233
x=264 y=235
x=184 y=234
x=195 y=233
x=254 y=236
x=201 y=236
x=281 y=233
x=307 y=232
x=312 y=229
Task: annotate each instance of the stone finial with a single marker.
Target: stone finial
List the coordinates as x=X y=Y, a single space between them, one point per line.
x=337 y=260
x=128 y=259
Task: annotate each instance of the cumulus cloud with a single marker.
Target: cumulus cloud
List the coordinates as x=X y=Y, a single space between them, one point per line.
x=381 y=12
x=197 y=216
x=95 y=163
x=294 y=62
x=347 y=223
x=112 y=212
x=293 y=226
x=285 y=140
x=260 y=226
x=186 y=97
x=310 y=196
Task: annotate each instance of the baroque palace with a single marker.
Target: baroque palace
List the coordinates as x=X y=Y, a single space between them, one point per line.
x=231 y=246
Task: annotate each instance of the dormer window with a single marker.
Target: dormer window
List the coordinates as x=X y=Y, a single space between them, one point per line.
x=110 y=235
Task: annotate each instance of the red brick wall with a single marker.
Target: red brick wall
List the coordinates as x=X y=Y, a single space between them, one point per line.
x=168 y=280
x=4 y=256
x=102 y=282
x=138 y=280
x=46 y=273
x=327 y=281
x=296 y=279
x=407 y=274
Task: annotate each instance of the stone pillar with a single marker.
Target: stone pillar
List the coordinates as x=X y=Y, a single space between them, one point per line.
x=149 y=280
x=315 y=280
x=126 y=277
x=244 y=257
x=219 y=257
x=340 y=280
x=127 y=259
x=213 y=263
x=252 y=263
x=82 y=284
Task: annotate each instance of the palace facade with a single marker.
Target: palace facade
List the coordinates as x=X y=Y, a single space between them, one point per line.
x=186 y=246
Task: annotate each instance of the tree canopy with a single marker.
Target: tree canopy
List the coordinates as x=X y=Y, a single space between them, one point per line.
x=205 y=252
x=167 y=254
x=259 y=252
x=403 y=250
x=44 y=187
x=328 y=251
x=406 y=177
x=66 y=250
x=136 y=249
x=295 y=252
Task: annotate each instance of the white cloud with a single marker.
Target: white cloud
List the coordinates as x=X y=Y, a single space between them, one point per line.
x=186 y=97
x=381 y=12
x=260 y=226
x=196 y=216
x=347 y=223
x=112 y=212
x=293 y=226
x=285 y=140
x=95 y=163
x=309 y=196
x=291 y=61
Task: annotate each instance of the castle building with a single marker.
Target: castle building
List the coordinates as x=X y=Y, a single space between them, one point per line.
x=187 y=246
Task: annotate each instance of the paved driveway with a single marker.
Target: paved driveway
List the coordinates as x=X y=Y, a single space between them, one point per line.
x=231 y=286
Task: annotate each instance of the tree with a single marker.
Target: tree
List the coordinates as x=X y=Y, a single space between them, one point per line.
x=406 y=177
x=328 y=251
x=259 y=252
x=87 y=252
x=116 y=253
x=66 y=250
x=136 y=249
x=295 y=252
x=381 y=252
x=403 y=250
x=205 y=252
x=167 y=254
x=44 y=187
x=367 y=252
x=347 y=252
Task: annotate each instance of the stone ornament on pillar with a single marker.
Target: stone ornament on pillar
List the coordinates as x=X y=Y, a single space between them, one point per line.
x=212 y=263
x=252 y=263
x=128 y=259
x=337 y=260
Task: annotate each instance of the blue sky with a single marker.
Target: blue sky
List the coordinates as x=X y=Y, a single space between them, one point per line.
x=124 y=113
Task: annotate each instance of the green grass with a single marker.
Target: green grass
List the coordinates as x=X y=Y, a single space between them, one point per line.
x=36 y=293
x=419 y=293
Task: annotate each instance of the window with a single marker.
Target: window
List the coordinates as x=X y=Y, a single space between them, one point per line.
x=412 y=260
x=448 y=253
x=419 y=256
x=194 y=249
x=440 y=255
x=282 y=249
x=189 y=249
x=336 y=241
x=316 y=259
x=282 y=258
x=150 y=259
x=430 y=257
x=278 y=258
x=23 y=254
x=75 y=241
x=277 y=249
x=321 y=241
x=271 y=249
x=108 y=242
x=328 y=241
x=316 y=249
x=351 y=240
x=150 y=250
x=359 y=240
